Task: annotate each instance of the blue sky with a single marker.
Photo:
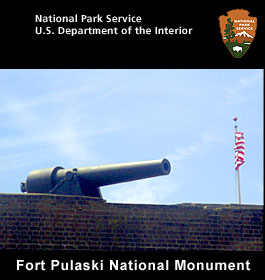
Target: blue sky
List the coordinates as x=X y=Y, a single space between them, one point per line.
x=75 y=118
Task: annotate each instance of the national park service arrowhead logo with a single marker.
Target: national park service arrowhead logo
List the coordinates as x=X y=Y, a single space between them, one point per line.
x=238 y=31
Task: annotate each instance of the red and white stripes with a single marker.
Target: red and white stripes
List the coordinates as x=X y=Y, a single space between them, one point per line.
x=239 y=149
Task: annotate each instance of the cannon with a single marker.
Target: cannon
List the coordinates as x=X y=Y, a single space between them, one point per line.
x=86 y=181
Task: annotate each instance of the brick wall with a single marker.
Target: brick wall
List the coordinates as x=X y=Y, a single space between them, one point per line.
x=38 y=221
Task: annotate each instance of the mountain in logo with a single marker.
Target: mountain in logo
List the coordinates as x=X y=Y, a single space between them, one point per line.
x=244 y=34
x=243 y=37
x=238 y=31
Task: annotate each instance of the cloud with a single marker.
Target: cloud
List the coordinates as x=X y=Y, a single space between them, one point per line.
x=181 y=153
x=197 y=148
x=147 y=191
x=56 y=127
x=164 y=189
x=239 y=91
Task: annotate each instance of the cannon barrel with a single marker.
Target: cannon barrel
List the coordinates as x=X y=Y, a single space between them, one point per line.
x=87 y=180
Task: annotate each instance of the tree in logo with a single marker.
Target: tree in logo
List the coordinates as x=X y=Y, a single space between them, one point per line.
x=229 y=33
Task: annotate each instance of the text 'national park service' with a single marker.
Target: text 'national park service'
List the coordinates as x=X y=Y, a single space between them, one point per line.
x=84 y=25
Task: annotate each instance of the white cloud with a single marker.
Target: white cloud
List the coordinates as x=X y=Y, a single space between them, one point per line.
x=57 y=125
x=163 y=189
x=181 y=153
x=241 y=90
x=147 y=191
x=197 y=148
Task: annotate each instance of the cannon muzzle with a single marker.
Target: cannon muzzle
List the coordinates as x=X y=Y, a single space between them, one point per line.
x=88 y=180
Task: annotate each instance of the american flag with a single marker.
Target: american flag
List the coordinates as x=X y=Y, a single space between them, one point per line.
x=239 y=149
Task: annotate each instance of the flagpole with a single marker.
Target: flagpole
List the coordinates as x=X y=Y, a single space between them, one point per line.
x=238 y=175
x=238 y=186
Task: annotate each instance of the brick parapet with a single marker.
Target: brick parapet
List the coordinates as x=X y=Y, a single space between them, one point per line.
x=58 y=222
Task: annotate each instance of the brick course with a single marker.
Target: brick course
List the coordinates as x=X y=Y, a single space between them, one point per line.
x=58 y=222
